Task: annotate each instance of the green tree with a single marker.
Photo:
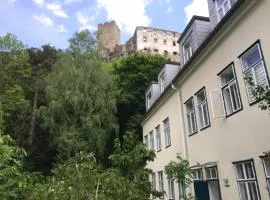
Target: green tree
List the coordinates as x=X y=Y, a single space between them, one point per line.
x=81 y=96
x=135 y=73
x=131 y=158
x=15 y=72
x=179 y=171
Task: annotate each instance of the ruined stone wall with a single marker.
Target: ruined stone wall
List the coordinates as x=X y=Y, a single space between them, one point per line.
x=108 y=36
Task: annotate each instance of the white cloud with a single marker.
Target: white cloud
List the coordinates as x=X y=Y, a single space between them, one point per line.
x=196 y=7
x=56 y=9
x=71 y=1
x=127 y=13
x=40 y=3
x=61 y=28
x=85 y=22
x=11 y=1
x=45 y=20
x=169 y=9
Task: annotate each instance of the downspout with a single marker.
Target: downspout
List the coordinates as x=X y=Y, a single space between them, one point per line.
x=182 y=130
x=182 y=122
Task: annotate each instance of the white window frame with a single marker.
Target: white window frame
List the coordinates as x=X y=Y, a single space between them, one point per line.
x=203 y=106
x=213 y=176
x=146 y=142
x=160 y=181
x=153 y=180
x=228 y=86
x=250 y=69
x=267 y=176
x=197 y=174
x=149 y=100
x=222 y=8
x=171 y=189
x=245 y=180
x=191 y=117
x=151 y=141
x=158 y=138
x=162 y=82
x=167 y=132
x=187 y=50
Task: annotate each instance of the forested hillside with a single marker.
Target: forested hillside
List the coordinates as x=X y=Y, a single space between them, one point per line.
x=70 y=122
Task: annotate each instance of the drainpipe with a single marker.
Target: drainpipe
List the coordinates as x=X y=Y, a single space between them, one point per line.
x=182 y=122
x=182 y=131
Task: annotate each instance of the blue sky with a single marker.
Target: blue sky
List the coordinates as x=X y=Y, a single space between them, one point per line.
x=38 y=22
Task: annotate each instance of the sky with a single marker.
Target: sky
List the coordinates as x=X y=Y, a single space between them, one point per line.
x=38 y=22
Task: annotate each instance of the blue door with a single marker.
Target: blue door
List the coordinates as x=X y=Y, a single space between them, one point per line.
x=201 y=190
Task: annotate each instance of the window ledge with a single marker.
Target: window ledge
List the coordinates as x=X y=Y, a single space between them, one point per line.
x=234 y=112
x=193 y=133
x=168 y=146
x=205 y=127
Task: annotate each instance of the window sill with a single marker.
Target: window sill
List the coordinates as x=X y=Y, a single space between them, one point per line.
x=255 y=102
x=159 y=150
x=205 y=127
x=193 y=133
x=234 y=112
x=168 y=146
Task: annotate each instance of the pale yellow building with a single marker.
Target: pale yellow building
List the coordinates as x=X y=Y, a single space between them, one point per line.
x=214 y=120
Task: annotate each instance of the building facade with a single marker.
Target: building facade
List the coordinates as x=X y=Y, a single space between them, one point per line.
x=154 y=41
x=215 y=122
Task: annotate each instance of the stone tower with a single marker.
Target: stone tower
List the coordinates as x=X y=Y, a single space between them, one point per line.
x=108 y=36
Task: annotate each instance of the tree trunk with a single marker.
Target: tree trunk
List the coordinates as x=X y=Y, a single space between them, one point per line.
x=33 y=119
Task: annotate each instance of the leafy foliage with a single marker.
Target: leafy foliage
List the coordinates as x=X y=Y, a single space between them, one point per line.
x=179 y=171
x=134 y=72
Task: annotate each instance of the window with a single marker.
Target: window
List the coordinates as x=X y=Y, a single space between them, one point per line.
x=175 y=53
x=156 y=50
x=151 y=138
x=146 y=141
x=187 y=49
x=155 y=40
x=167 y=132
x=162 y=82
x=158 y=138
x=144 y=38
x=223 y=6
x=211 y=173
x=174 y=43
x=191 y=117
x=148 y=100
x=165 y=53
x=197 y=174
x=164 y=41
x=230 y=91
x=246 y=180
x=153 y=180
x=203 y=108
x=266 y=164
x=171 y=189
x=160 y=181
x=182 y=190
x=253 y=67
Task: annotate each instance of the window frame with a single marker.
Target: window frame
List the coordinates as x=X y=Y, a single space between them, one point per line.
x=146 y=141
x=171 y=189
x=187 y=51
x=167 y=132
x=158 y=138
x=246 y=180
x=197 y=171
x=267 y=176
x=200 y=104
x=229 y=84
x=153 y=180
x=149 y=100
x=195 y=117
x=160 y=181
x=219 y=7
x=162 y=82
x=258 y=43
x=151 y=140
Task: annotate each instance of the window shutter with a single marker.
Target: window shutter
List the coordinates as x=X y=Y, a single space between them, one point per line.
x=217 y=104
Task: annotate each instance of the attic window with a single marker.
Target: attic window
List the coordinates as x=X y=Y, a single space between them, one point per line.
x=187 y=49
x=162 y=82
x=222 y=6
x=148 y=100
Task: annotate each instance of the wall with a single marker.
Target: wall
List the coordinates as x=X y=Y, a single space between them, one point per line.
x=245 y=134
x=168 y=109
